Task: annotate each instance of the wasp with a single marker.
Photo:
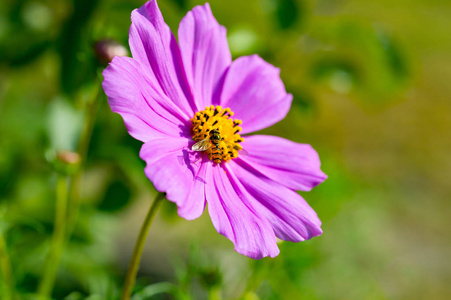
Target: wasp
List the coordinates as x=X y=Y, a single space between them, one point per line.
x=213 y=142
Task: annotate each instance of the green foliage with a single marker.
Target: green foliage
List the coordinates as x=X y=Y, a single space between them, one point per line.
x=77 y=61
x=117 y=196
x=288 y=12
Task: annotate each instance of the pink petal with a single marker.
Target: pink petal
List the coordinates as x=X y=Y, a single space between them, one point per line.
x=171 y=169
x=154 y=46
x=289 y=214
x=233 y=217
x=254 y=91
x=205 y=52
x=132 y=96
x=293 y=165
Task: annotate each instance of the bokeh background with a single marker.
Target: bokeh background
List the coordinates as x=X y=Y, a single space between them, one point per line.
x=370 y=80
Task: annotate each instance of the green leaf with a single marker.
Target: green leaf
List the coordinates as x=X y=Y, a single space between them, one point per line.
x=75 y=49
x=287 y=13
x=117 y=196
x=155 y=289
x=180 y=3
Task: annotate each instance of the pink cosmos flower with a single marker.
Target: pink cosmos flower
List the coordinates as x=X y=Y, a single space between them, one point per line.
x=187 y=96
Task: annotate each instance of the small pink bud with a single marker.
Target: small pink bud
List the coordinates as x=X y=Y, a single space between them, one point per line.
x=107 y=49
x=69 y=157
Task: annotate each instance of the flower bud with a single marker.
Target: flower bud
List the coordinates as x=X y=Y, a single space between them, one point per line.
x=68 y=157
x=107 y=49
x=64 y=161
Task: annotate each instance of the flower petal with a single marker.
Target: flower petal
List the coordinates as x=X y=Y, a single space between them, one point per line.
x=205 y=52
x=155 y=47
x=254 y=91
x=234 y=218
x=289 y=214
x=293 y=165
x=132 y=96
x=170 y=168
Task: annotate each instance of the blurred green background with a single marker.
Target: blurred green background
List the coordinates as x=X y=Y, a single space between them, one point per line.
x=370 y=80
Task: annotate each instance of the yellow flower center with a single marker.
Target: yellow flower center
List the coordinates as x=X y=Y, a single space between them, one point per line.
x=216 y=133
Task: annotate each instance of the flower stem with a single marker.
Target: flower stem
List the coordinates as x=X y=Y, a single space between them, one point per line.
x=258 y=273
x=139 y=246
x=85 y=139
x=215 y=293
x=5 y=267
x=58 y=239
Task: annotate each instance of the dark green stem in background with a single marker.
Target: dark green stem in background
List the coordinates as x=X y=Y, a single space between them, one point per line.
x=258 y=274
x=58 y=239
x=85 y=138
x=91 y=110
x=5 y=267
x=139 y=246
x=68 y=200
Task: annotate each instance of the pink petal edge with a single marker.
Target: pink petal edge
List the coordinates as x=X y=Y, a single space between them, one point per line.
x=205 y=53
x=255 y=93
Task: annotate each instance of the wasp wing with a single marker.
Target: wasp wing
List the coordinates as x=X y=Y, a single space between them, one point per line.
x=202 y=145
x=237 y=147
x=242 y=150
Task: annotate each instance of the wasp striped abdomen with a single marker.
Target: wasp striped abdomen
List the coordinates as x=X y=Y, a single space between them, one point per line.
x=216 y=151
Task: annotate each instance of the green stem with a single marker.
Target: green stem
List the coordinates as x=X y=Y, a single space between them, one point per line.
x=91 y=110
x=67 y=209
x=215 y=293
x=85 y=138
x=58 y=239
x=139 y=246
x=253 y=282
x=5 y=267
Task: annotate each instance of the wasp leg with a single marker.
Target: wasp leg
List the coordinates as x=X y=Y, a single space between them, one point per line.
x=203 y=153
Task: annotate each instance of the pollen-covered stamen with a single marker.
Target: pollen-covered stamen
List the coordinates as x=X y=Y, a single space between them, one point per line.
x=215 y=125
